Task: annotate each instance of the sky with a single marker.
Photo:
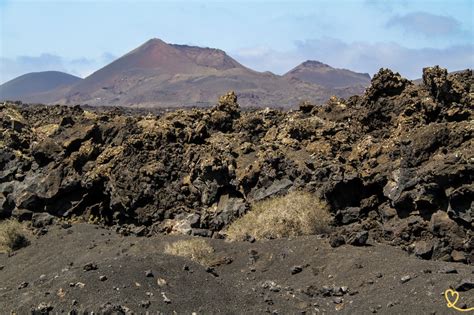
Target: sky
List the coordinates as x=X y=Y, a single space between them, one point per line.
x=80 y=37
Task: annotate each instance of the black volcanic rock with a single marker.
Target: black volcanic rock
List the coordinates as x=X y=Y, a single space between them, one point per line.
x=394 y=163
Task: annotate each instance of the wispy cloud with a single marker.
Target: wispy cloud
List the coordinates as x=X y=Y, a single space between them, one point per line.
x=359 y=56
x=82 y=67
x=386 y=5
x=369 y=57
x=426 y=24
x=263 y=58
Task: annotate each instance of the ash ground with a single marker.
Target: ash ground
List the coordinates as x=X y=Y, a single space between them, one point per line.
x=288 y=276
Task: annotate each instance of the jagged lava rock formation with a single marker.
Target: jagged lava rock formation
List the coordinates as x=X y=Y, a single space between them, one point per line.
x=396 y=162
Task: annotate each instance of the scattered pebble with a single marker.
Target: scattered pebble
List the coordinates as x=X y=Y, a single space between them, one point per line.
x=296 y=269
x=405 y=279
x=336 y=241
x=23 y=285
x=149 y=274
x=338 y=300
x=161 y=282
x=448 y=269
x=165 y=298
x=145 y=304
x=212 y=271
x=90 y=266
x=44 y=308
x=66 y=225
x=102 y=278
x=465 y=285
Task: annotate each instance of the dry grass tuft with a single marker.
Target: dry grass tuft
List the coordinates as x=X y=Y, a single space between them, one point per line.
x=12 y=236
x=197 y=250
x=297 y=213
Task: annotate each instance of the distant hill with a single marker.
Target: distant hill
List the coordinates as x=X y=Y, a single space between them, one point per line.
x=327 y=76
x=158 y=74
x=31 y=86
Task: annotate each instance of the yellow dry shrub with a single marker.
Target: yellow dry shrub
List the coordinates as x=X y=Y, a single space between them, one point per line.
x=197 y=250
x=297 y=213
x=12 y=236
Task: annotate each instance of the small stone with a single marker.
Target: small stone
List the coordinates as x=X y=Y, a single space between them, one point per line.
x=249 y=238
x=336 y=241
x=145 y=304
x=23 y=285
x=423 y=249
x=90 y=266
x=337 y=291
x=326 y=291
x=165 y=298
x=448 y=269
x=458 y=256
x=74 y=302
x=405 y=279
x=465 y=285
x=267 y=299
x=212 y=271
x=338 y=300
x=149 y=274
x=462 y=305
x=161 y=282
x=41 y=219
x=359 y=239
x=1 y=267
x=44 y=308
x=80 y=285
x=296 y=269
x=66 y=225
x=102 y=278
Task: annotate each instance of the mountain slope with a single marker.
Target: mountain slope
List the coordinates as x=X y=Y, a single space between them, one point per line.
x=158 y=74
x=327 y=76
x=29 y=85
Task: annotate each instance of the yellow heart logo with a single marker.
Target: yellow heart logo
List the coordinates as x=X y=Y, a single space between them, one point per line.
x=451 y=297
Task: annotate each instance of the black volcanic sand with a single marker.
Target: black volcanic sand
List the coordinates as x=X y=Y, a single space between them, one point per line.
x=258 y=279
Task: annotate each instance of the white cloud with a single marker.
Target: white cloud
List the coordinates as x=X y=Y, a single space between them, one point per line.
x=369 y=57
x=262 y=58
x=359 y=56
x=426 y=24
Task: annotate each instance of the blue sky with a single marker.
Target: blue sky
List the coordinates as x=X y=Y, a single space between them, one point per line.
x=79 y=37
